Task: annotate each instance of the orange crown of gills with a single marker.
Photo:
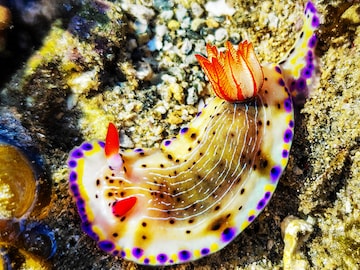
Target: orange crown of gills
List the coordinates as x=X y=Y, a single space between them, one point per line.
x=235 y=75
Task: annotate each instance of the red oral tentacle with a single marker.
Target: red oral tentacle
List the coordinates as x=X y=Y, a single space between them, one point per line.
x=121 y=207
x=112 y=144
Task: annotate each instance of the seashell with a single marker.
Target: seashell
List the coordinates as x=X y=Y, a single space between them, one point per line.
x=17 y=183
x=23 y=183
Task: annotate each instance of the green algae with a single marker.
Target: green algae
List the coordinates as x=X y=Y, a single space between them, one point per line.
x=74 y=85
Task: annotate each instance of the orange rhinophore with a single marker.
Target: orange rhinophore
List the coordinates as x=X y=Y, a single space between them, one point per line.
x=235 y=75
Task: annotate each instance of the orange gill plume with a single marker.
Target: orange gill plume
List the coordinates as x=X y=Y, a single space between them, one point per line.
x=235 y=75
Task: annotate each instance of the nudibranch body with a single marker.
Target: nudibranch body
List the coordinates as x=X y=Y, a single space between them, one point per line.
x=196 y=193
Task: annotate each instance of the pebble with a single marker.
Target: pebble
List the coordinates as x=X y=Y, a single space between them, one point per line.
x=140 y=27
x=212 y=23
x=235 y=38
x=144 y=72
x=160 y=109
x=155 y=44
x=163 y=5
x=273 y=20
x=180 y=13
x=197 y=24
x=125 y=140
x=219 y=8
x=186 y=46
x=221 y=34
x=192 y=96
x=210 y=38
x=186 y=22
x=167 y=15
x=196 y=9
x=140 y=12
x=173 y=25
x=161 y=30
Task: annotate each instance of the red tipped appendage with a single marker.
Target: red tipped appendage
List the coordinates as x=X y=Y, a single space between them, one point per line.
x=112 y=147
x=120 y=208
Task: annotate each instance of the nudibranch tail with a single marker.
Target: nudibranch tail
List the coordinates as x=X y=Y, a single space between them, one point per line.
x=299 y=66
x=235 y=75
x=199 y=190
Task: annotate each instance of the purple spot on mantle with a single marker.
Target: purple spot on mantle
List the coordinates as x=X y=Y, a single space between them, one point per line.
x=86 y=227
x=306 y=73
x=77 y=153
x=162 y=258
x=275 y=173
x=301 y=84
x=72 y=163
x=228 y=234
x=278 y=69
x=287 y=105
x=138 y=150
x=80 y=204
x=123 y=253
x=205 y=251
x=312 y=41
x=184 y=130
x=198 y=114
x=315 y=21
x=267 y=195
x=137 y=252
x=291 y=123
x=106 y=245
x=310 y=6
x=75 y=189
x=184 y=255
x=285 y=153
x=288 y=135
x=281 y=82
x=251 y=218
x=261 y=204
x=87 y=146
x=102 y=144
x=167 y=142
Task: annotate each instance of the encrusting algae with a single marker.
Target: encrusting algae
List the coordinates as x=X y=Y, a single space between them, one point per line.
x=81 y=80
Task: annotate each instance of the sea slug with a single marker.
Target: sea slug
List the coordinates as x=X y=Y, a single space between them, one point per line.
x=196 y=193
